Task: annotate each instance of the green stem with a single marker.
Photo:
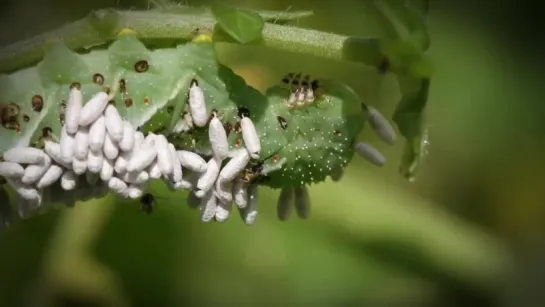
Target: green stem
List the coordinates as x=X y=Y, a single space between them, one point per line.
x=104 y=25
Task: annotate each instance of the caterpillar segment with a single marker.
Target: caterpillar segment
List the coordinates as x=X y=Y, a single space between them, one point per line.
x=117 y=117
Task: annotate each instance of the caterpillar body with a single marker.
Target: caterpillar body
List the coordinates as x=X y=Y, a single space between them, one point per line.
x=300 y=132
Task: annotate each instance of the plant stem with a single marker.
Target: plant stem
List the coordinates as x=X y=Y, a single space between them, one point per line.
x=102 y=26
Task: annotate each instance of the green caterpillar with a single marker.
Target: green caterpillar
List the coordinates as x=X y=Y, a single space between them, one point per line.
x=149 y=87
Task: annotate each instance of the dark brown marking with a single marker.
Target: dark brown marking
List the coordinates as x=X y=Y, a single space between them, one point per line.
x=75 y=85
x=282 y=121
x=122 y=86
x=62 y=112
x=47 y=132
x=98 y=79
x=141 y=66
x=26 y=118
x=228 y=127
x=37 y=103
x=9 y=116
x=128 y=102
x=237 y=128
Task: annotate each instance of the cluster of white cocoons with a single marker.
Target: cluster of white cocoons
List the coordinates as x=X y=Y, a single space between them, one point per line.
x=96 y=141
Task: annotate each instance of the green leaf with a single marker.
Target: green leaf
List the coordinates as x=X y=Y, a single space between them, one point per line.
x=414 y=152
x=242 y=25
x=409 y=119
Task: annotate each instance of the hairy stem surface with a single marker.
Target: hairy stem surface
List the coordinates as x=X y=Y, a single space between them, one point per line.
x=102 y=26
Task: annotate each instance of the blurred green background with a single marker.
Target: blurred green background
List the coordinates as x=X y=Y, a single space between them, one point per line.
x=470 y=231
